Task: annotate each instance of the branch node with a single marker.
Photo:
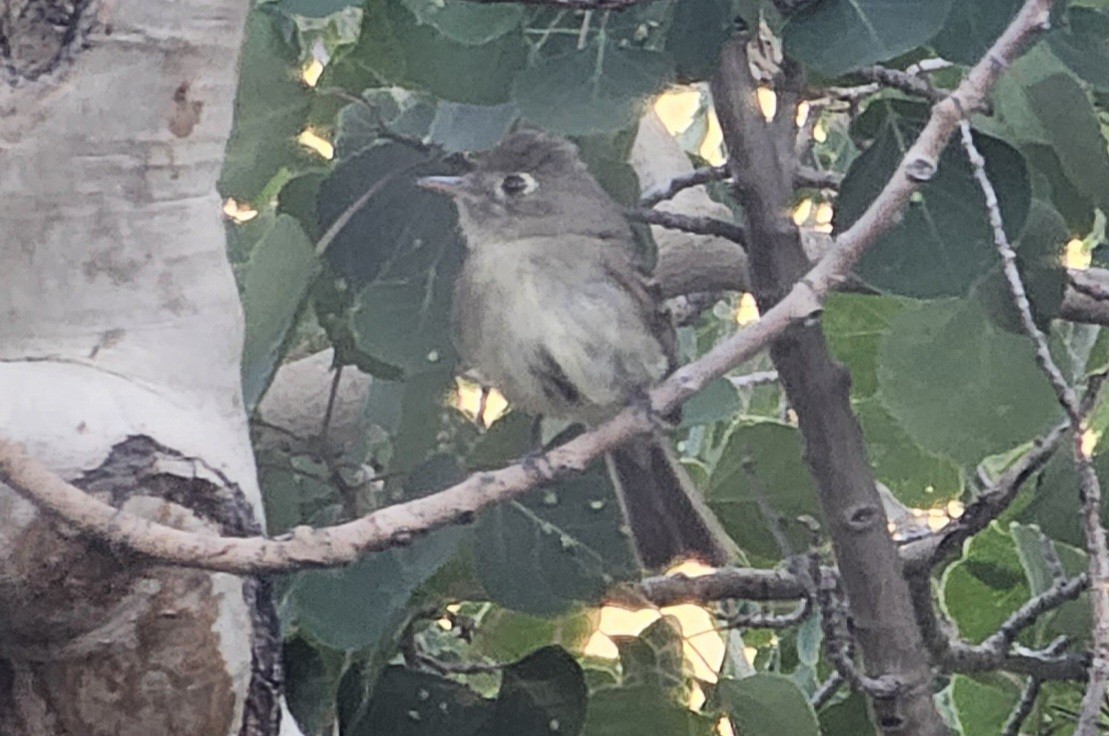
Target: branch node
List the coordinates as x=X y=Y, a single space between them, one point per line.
x=882 y=688
x=921 y=169
x=1001 y=63
x=862 y=517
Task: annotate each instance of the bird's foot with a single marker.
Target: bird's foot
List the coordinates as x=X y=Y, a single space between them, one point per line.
x=642 y=404
x=536 y=465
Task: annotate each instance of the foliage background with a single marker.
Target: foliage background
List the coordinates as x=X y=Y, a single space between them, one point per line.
x=943 y=382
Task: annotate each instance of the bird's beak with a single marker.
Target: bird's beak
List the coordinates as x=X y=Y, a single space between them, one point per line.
x=449 y=185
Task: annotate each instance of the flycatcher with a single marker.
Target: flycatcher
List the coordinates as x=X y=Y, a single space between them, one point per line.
x=551 y=309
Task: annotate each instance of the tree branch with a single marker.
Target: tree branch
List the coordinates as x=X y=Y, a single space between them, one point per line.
x=704 y=175
x=691 y=224
x=803 y=176
x=923 y=555
x=1043 y=664
x=1028 y=695
x=727 y=584
x=1097 y=549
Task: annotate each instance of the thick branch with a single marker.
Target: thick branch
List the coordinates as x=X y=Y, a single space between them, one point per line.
x=761 y=158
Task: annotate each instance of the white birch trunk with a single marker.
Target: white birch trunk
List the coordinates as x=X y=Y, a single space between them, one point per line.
x=120 y=330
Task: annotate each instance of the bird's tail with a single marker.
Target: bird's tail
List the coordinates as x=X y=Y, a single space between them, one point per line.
x=668 y=518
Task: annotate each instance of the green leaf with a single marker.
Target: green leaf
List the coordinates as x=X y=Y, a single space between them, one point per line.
x=394 y=48
x=409 y=703
x=855 y=325
x=298 y=200
x=716 y=403
x=377 y=58
x=357 y=607
x=509 y=439
x=836 y=36
x=461 y=127
x=607 y=156
x=399 y=252
x=767 y=705
x=543 y=693
x=916 y=477
x=561 y=545
x=773 y=491
x=1050 y=182
x=983 y=703
x=295 y=489
x=1083 y=44
x=1072 y=619
x=283 y=256
x=634 y=711
x=380 y=113
x=467 y=23
x=1071 y=127
x=848 y=718
x=1057 y=497
x=311 y=681
x=436 y=63
x=505 y=635
x=972 y=27
x=423 y=414
x=654 y=657
x=598 y=89
x=697 y=31
x=943 y=243
x=271 y=107
x=986 y=586
x=959 y=385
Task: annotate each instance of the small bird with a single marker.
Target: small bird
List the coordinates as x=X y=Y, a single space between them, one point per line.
x=551 y=309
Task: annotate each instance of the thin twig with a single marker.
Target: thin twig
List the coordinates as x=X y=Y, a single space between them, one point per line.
x=921 y=556
x=804 y=176
x=703 y=175
x=1026 y=615
x=1097 y=550
x=327 y=412
x=1029 y=694
x=839 y=643
x=911 y=84
x=909 y=81
x=807 y=176
x=826 y=690
x=690 y=224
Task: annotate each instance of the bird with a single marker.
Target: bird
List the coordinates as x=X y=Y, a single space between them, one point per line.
x=551 y=308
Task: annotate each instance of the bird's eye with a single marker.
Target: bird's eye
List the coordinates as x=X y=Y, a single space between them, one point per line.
x=517 y=184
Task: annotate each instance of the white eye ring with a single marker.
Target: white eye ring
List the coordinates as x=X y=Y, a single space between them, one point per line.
x=517 y=184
